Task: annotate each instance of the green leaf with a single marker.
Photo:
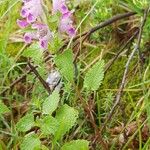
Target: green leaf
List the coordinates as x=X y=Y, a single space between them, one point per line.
x=51 y=103
x=43 y=147
x=48 y=125
x=25 y=123
x=3 y=108
x=30 y=142
x=94 y=76
x=76 y=145
x=55 y=44
x=66 y=116
x=34 y=52
x=64 y=62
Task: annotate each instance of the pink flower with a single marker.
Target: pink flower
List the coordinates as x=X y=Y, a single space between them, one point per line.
x=66 y=24
x=29 y=36
x=59 y=5
x=31 y=10
x=22 y=23
x=42 y=34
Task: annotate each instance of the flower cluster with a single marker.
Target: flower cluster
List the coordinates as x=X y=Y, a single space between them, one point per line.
x=32 y=10
x=66 y=24
x=42 y=34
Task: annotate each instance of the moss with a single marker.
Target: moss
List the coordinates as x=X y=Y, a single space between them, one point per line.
x=13 y=48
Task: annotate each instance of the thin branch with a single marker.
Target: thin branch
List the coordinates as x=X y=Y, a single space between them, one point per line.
x=22 y=77
x=120 y=51
x=45 y=85
x=99 y=26
x=118 y=97
x=110 y=21
x=102 y=25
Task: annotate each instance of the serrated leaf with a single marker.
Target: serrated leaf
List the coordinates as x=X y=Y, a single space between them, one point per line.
x=76 y=145
x=48 y=125
x=25 y=123
x=94 y=76
x=30 y=142
x=66 y=116
x=3 y=108
x=64 y=62
x=34 y=52
x=51 y=103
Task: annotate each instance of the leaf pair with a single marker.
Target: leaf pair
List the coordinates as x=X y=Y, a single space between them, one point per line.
x=93 y=77
x=64 y=120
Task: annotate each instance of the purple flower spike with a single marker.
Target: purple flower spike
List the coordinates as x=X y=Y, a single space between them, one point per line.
x=65 y=22
x=22 y=23
x=59 y=5
x=42 y=34
x=31 y=10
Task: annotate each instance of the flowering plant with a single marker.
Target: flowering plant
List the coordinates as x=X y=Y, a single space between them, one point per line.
x=32 y=13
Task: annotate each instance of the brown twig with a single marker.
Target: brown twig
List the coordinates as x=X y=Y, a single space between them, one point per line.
x=99 y=26
x=120 y=51
x=110 y=21
x=46 y=59
x=122 y=85
x=45 y=85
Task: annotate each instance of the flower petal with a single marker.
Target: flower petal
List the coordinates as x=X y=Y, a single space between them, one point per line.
x=24 y=12
x=71 y=32
x=28 y=38
x=22 y=23
x=31 y=18
x=43 y=44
